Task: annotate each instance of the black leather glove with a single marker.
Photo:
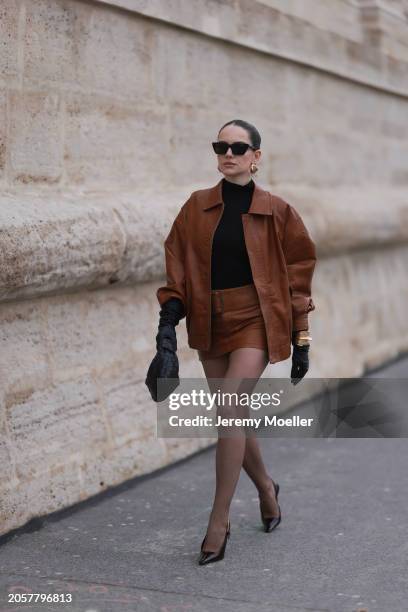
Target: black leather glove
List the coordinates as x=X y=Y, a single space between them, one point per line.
x=165 y=363
x=300 y=361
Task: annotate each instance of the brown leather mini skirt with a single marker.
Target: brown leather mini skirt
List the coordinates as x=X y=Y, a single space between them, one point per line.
x=236 y=321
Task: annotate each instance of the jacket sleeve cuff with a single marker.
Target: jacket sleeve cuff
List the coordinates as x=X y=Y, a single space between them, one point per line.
x=166 y=293
x=301 y=322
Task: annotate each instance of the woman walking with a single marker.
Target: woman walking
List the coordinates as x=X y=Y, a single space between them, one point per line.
x=239 y=264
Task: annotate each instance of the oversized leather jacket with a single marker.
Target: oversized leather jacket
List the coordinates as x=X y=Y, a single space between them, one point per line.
x=282 y=257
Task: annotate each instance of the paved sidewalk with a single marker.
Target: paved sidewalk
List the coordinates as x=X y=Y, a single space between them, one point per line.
x=341 y=545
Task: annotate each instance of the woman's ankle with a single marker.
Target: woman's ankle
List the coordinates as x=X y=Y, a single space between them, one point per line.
x=219 y=520
x=266 y=487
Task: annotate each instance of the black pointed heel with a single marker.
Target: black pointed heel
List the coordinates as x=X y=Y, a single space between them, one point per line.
x=210 y=556
x=272 y=522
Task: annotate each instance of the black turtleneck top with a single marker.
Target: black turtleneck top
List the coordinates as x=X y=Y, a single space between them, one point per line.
x=230 y=265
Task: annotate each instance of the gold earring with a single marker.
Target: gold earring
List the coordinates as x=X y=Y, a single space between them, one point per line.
x=254 y=168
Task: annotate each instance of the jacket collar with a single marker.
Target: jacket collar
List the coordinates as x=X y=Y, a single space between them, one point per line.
x=260 y=204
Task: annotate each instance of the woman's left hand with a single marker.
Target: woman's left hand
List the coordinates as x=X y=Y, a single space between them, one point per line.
x=300 y=363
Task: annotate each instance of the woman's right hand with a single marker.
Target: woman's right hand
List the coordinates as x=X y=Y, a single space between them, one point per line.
x=165 y=364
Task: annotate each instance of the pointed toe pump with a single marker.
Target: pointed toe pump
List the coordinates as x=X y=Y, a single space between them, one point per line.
x=270 y=523
x=211 y=556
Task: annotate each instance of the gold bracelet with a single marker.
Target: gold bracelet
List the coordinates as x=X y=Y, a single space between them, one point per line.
x=300 y=340
x=302 y=343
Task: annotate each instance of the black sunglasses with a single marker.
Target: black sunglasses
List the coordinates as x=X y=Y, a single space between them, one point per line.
x=237 y=148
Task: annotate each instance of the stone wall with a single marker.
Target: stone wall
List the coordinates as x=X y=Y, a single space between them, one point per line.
x=107 y=110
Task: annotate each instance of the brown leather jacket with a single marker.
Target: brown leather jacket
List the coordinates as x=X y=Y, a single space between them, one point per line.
x=282 y=257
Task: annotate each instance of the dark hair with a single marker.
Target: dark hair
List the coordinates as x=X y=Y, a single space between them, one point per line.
x=254 y=135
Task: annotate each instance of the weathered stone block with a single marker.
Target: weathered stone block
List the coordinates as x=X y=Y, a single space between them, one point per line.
x=24 y=354
x=9 y=36
x=49 y=426
x=35 y=137
x=103 y=138
x=3 y=132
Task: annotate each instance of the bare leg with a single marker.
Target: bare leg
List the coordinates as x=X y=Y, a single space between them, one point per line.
x=239 y=365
